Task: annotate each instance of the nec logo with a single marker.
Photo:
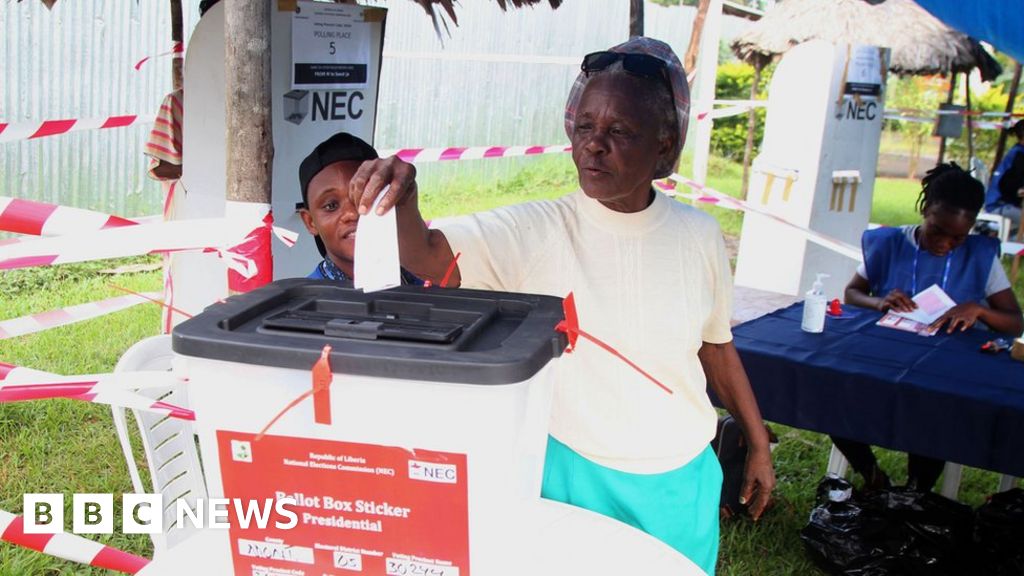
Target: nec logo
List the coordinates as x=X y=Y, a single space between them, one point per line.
x=433 y=472
x=333 y=105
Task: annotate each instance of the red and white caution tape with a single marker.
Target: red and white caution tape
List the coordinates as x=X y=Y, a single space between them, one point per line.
x=37 y=129
x=732 y=108
x=64 y=316
x=255 y=248
x=420 y=155
x=43 y=219
x=926 y=120
x=711 y=195
x=69 y=546
x=176 y=50
x=18 y=384
x=917 y=112
x=209 y=234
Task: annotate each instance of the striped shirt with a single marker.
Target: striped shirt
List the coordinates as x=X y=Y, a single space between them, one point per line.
x=164 y=142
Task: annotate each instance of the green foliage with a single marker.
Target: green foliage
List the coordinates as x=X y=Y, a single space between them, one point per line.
x=15 y=282
x=733 y=82
x=985 y=141
x=912 y=93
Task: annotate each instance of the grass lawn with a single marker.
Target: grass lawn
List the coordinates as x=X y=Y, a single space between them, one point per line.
x=67 y=447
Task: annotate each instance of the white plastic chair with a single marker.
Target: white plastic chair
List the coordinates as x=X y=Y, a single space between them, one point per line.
x=169 y=443
x=1002 y=224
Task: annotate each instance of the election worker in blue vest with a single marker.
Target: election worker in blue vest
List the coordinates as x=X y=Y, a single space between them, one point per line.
x=1007 y=185
x=326 y=210
x=900 y=262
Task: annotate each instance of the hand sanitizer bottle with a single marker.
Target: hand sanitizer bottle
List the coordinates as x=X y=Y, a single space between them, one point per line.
x=814 y=308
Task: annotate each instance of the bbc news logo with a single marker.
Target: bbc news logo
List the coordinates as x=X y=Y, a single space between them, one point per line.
x=143 y=513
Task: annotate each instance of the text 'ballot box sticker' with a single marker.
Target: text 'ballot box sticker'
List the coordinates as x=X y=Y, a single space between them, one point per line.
x=360 y=507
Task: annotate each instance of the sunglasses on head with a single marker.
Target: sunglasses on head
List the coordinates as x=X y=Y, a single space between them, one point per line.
x=638 y=64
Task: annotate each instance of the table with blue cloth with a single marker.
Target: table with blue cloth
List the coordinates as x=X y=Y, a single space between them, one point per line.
x=937 y=396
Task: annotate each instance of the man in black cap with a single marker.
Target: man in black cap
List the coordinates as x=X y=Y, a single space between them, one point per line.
x=326 y=209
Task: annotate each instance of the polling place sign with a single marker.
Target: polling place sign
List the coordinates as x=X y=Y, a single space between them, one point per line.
x=330 y=46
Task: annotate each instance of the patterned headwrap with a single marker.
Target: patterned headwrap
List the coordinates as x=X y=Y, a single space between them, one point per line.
x=676 y=74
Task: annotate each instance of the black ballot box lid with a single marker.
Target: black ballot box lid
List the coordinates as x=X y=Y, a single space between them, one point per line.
x=409 y=332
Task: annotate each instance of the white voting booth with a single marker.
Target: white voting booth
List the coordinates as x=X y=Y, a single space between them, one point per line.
x=325 y=79
x=816 y=168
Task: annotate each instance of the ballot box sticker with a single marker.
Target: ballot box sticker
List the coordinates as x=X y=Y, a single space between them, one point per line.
x=359 y=508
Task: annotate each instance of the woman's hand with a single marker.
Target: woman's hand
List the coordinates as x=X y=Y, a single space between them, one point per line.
x=897 y=300
x=424 y=252
x=758 y=481
x=395 y=175
x=962 y=315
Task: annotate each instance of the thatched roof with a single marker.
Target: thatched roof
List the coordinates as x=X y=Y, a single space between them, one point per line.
x=920 y=43
x=439 y=18
x=448 y=5
x=429 y=5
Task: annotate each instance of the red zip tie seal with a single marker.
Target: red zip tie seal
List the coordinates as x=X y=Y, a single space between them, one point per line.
x=571 y=328
x=322 y=378
x=320 y=391
x=451 y=269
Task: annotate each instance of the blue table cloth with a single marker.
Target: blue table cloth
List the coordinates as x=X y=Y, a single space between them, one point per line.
x=937 y=396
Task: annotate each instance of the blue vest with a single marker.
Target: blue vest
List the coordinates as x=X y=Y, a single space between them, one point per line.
x=408 y=278
x=889 y=261
x=992 y=195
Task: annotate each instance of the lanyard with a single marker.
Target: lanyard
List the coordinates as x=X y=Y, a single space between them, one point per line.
x=945 y=273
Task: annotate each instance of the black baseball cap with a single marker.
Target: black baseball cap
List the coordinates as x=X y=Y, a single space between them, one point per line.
x=338 y=148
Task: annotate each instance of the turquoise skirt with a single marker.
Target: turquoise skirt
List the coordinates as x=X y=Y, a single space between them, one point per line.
x=678 y=507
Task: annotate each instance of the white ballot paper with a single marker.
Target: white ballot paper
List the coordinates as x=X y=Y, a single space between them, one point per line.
x=932 y=302
x=377 y=266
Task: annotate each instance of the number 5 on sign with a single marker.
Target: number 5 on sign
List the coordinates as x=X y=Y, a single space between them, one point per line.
x=330 y=46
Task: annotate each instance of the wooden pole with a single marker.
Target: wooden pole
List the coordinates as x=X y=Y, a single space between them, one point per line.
x=748 y=148
x=250 y=146
x=970 y=121
x=1001 y=146
x=636 y=18
x=690 y=59
x=706 y=68
x=949 y=100
x=177 y=35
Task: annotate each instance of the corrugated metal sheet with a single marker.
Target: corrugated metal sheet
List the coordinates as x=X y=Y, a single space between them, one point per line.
x=76 y=61
x=431 y=98
x=500 y=79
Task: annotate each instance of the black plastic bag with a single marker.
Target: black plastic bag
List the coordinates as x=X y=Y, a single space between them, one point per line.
x=895 y=531
x=999 y=534
x=936 y=532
